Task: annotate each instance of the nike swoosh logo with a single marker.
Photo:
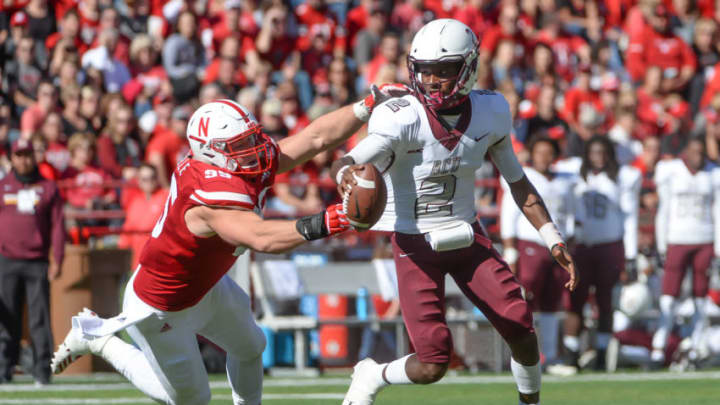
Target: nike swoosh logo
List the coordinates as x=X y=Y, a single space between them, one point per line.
x=405 y=254
x=478 y=138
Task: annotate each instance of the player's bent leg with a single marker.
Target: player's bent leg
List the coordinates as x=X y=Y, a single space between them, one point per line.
x=233 y=328
x=525 y=367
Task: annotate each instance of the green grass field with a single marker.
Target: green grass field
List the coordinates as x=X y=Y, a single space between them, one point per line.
x=588 y=389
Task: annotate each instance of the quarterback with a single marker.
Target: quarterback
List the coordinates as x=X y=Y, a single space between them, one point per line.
x=429 y=145
x=211 y=215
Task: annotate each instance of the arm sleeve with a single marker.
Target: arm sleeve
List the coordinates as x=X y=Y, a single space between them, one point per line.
x=509 y=213
x=387 y=129
x=501 y=151
x=661 y=217
x=629 y=204
x=57 y=220
x=504 y=157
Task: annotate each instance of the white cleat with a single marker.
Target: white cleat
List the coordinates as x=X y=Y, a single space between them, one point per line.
x=367 y=381
x=75 y=345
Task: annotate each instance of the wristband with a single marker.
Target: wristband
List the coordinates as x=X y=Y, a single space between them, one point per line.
x=550 y=235
x=510 y=255
x=312 y=227
x=339 y=175
x=361 y=111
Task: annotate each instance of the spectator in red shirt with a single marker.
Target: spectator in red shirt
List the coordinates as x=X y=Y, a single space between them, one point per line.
x=506 y=28
x=660 y=47
x=69 y=33
x=569 y=50
x=142 y=211
x=229 y=24
x=229 y=49
x=313 y=17
x=89 y=13
x=472 y=15
x=169 y=146
x=57 y=153
x=654 y=119
x=388 y=53
x=357 y=18
x=118 y=153
x=88 y=184
x=34 y=116
x=274 y=44
x=147 y=74
x=409 y=16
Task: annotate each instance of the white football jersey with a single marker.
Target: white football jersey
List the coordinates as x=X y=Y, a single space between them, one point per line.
x=556 y=192
x=607 y=210
x=688 y=204
x=429 y=172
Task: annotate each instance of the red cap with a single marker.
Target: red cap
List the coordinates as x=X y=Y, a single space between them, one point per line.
x=19 y=19
x=21 y=145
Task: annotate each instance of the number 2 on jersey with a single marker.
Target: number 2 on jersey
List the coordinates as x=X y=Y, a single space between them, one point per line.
x=432 y=203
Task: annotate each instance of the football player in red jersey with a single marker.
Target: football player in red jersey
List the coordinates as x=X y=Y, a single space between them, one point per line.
x=211 y=215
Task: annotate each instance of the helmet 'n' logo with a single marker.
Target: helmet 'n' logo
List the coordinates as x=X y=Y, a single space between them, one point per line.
x=203 y=126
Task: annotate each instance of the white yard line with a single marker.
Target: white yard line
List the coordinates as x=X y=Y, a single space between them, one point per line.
x=114 y=401
x=343 y=382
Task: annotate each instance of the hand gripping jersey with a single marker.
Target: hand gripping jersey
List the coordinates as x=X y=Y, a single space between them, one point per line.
x=607 y=210
x=689 y=205
x=430 y=171
x=178 y=268
x=557 y=194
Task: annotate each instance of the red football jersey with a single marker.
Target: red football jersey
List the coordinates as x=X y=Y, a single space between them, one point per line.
x=178 y=268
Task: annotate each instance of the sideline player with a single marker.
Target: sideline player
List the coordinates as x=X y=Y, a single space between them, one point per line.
x=212 y=214
x=606 y=217
x=430 y=144
x=686 y=225
x=523 y=249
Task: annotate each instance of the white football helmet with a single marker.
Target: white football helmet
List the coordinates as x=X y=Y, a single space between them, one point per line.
x=635 y=299
x=225 y=134
x=444 y=41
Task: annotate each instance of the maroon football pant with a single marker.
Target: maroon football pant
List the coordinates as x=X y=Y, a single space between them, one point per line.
x=599 y=266
x=541 y=276
x=480 y=273
x=678 y=258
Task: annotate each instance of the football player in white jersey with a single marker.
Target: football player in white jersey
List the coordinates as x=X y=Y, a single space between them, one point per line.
x=606 y=217
x=523 y=248
x=429 y=145
x=686 y=224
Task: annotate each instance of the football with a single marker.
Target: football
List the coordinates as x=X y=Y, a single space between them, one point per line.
x=365 y=202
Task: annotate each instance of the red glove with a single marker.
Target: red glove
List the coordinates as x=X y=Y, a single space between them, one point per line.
x=335 y=219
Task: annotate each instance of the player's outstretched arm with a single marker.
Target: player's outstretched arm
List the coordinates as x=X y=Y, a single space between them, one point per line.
x=332 y=129
x=532 y=206
x=246 y=228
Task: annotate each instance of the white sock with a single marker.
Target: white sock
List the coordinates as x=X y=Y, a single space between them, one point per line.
x=549 y=330
x=132 y=364
x=527 y=378
x=699 y=321
x=601 y=340
x=246 y=379
x=395 y=372
x=667 y=320
x=572 y=343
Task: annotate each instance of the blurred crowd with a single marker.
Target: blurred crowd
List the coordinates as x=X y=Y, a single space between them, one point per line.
x=103 y=89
